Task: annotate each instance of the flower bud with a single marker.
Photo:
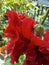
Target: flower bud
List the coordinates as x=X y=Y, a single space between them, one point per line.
x=39 y=30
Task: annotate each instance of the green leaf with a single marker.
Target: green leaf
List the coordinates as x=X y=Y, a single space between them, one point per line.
x=7 y=61
x=21 y=59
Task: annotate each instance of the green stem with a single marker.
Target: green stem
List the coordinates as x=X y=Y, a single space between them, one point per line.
x=45 y=17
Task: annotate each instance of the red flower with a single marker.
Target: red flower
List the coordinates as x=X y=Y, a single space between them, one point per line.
x=24 y=41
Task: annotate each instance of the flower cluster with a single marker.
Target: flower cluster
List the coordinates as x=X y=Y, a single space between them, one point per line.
x=24 y=41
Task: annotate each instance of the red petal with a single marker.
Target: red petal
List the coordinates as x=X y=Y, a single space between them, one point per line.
x=46 y=36
x=45 y=52
x=10 y=45
x=19 y=49
x=30 y=57
x=11 y=32
x=22 y=16
x=37 y=41
x=13 y=18
x=27 y=27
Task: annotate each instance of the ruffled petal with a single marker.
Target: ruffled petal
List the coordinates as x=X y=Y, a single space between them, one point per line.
x=37 y=41
x=11 y=32
x=20 y=48
x=28 y=27
x=10 y=45
x=45 y=52
x=13 y=18
x=30 y=57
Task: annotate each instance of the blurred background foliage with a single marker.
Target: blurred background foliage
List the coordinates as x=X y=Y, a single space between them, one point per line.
x=21 y=6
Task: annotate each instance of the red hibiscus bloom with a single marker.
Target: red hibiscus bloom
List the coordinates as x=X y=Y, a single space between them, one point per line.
x=24 y=41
